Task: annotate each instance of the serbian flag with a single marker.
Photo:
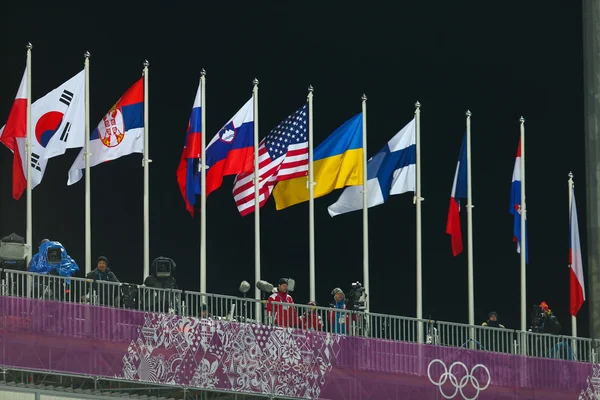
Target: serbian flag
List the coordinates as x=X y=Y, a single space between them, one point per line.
x=120 y=133
x=575 y=263
x=188 y=174
x=515 y=206
x=16 y=127
x=231 y=150
x=459 y=191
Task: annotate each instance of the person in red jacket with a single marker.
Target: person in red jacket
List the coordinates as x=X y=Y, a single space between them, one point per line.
x=282 y=315
x=311 y=320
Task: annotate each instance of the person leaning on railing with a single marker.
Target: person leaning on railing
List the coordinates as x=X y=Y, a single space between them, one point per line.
x=107 y=294
x=310 y=319
x=492 y=321
x=279 y=314
x=204 y=313
x=492 y=340
x=340 y=321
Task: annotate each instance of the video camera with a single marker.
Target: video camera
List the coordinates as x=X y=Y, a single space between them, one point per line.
x=544 y=321
x=163 y=267
x=54 y=255
x=537 y=318
x=13 y=252
x=357 y=297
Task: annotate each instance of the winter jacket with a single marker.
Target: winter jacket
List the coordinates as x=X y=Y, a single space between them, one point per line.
x=284 y=316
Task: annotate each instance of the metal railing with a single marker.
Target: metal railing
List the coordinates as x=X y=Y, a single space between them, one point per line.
x=305 y=317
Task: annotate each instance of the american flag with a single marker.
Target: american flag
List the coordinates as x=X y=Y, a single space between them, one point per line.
x=282 y=155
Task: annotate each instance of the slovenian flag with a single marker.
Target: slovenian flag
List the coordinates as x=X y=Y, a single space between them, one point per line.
x=575 y=263
x=231 y=150
x=120 y=133
x=515 y=206
x=459 y=191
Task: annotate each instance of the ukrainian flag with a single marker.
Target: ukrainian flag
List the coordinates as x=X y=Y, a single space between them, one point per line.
x=337 y=163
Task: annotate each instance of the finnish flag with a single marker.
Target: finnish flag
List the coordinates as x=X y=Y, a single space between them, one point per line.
x=391 y=171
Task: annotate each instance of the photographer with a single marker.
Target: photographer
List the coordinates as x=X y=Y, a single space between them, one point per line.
x=52 y=260
x=543 y=320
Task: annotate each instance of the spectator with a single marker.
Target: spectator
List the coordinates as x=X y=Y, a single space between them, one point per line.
x=339 y=320
x=493 y=340
x=311 y=320
x=492 y=321
x=204 y=313
x=107 y=293
x=282 y=315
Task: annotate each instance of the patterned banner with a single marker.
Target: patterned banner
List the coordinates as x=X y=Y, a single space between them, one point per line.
x=223 y=355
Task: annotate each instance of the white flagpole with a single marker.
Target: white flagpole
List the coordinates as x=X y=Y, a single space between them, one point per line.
x=571 y=185
x=28 y=147
x=365 y=204
x=146 y=164
x=86 y=155
x=470 y=229
x=311 y=198
x=418 y=200
x=523 y=238
x=202 y=167
x=256 y=205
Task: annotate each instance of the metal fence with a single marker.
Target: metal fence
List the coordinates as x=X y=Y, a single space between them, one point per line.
x=306 y=317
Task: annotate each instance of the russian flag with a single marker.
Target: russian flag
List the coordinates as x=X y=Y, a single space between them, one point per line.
x=120 y=133
x=188 y=175
x=231 y=150
x=16 y=127
x=575 y=263
x=515 y=206
x=459 y=191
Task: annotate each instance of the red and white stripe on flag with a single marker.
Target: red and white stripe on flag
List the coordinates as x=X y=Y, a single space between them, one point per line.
x=576 y=281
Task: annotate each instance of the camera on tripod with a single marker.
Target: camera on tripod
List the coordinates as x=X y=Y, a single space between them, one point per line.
x=543 y=320
x=537 y=319
x=13 y=252
x=357 y=297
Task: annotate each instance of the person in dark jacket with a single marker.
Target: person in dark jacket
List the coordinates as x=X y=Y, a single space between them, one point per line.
x=106 y=294
x=545 y=321
x=491 y=339
x=492 y=321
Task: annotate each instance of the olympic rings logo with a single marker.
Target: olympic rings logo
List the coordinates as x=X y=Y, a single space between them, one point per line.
x=464 y=381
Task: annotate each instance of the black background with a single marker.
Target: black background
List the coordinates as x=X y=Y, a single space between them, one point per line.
x=501 y=60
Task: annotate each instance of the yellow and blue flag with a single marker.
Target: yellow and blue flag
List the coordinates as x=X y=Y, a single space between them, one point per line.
x=337 y=163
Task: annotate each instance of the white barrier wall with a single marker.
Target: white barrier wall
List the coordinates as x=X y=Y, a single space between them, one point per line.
x=49 y=397
x=10 y=395
x=7 y=395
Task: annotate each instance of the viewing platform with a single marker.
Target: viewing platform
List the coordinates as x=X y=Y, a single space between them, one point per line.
x=90 y=339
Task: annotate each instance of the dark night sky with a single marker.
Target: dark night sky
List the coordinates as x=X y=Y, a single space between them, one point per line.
x=500 y=60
